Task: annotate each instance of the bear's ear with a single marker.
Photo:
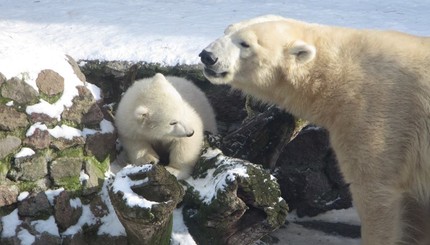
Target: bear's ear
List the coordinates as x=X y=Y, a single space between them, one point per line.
x=141 y=112
x=302 y=52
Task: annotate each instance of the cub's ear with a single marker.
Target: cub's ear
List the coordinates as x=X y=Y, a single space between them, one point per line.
x=302 y=52
x=141 y=112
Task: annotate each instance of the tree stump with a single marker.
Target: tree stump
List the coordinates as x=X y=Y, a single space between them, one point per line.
x=144 y=198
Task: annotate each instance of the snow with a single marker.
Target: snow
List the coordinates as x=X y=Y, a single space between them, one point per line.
x=36 y=35
x=25 y=152
x=123 y=183
x=23 y=195
x=180 y=234
x=48 y=226
x=110 y=223
x=87 y=218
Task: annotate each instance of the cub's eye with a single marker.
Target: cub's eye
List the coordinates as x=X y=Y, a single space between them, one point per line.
x=173 y=123
x=244 y=44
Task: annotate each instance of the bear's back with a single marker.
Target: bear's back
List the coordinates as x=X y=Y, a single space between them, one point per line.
x=197 y=100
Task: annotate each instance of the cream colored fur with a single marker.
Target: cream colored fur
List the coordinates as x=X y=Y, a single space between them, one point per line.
x=369 y=88
x=164 y=119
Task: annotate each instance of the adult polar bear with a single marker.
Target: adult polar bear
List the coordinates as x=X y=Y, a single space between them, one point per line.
x=370 y=89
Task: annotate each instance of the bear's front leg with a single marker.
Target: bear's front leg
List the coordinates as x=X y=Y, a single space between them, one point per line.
x=379 y=208
x=184 y=154
x=140 y=153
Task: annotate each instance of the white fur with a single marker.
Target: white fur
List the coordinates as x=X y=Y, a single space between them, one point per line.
x=159 y=117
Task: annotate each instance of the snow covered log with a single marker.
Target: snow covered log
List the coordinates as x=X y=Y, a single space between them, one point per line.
x=144 y=198
x=231 y=201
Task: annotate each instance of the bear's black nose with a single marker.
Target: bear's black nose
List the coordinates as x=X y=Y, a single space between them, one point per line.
x=208 y=58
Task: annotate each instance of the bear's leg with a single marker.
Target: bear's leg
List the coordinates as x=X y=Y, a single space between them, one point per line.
x=379 y=208
x=415 y=221
x=183 y=156
x=140 y=153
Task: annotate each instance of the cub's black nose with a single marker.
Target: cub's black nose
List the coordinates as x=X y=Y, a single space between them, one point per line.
x=208 y=58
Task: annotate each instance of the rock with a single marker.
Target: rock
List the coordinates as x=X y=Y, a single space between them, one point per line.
x=47 y=239
x=36 y=206
x=159 y=192
x=11 y=119
x=9 y=192
x=40 y=139
x=29 y=168
x=43 y=118
x=76 y=68
x=62 y=143
x=19 y=91
x=101 y=146
x=65 y=215
x=9 y=145
x=261 y=138
x=81 y=106
x=93 y=117
x=98 y=207
x=247 y=203
x=95 y=182
x=66 y=171
x=2 y=79
x=50 y=82
x=308 y=175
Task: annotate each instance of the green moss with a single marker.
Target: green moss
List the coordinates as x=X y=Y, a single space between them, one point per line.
x=70 y=183
x=72 y=124
x=26 y=186
x=50 y=99
x=19 y=132
x=102 y=166
x=72 y=152
x=4 y=168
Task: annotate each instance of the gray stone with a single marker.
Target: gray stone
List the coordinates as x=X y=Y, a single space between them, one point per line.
x=65 y=215
x=95 y=182
x=63 y=143
x=36 y=206
x=76 y=68
x=30 y=168
x=9 y=192
x=50 y=82
x=2 y=79
x=81 y=106
x=101 y=146
x=9 y=145
x=65 y=168
x=19 y=91
x=98 y=207
x=40 y=139
x=11 y=119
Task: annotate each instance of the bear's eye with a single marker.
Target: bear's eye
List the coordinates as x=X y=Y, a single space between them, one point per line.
x=244 y=44
x=173 y=123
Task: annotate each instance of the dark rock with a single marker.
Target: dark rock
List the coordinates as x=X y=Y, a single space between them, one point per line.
x=10 y=241
x=98 y=207
x=50 y=82
x=93 y=117
x=101 y=146
x=9 y=145
x=65 y=169
x=11 y=119
x=63 y=143
x=151 y=224
x=9 y=193
x=65 y=215
x=29 y=168
x=19 y=91
x=247 y=204
x=40 y=139
x=47 y=239
x=81 y=238
x=261 y=138
x=35 y=206
x=43 y=118
x=76 y=68
x=308 y=175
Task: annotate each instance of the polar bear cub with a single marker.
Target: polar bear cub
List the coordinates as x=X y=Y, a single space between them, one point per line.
x=162 y=120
